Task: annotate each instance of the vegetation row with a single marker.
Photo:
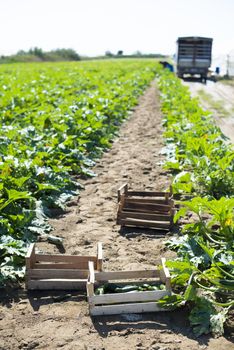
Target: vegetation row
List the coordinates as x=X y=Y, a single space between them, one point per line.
x=202 y=163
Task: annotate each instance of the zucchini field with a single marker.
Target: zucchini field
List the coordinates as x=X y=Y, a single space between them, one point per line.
x=82 y=129
x=55 y=119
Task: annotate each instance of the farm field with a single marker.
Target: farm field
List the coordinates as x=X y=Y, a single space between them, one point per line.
x=55 y=119
x=43 y=320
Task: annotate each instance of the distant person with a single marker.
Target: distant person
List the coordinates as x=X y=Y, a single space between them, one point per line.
x=167 y=65
x=217 y=70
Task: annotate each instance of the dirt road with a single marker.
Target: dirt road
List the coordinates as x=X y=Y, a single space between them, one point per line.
x=41 y=320
x=219 y=99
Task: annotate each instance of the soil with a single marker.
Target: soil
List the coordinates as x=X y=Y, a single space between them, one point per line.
x=60 y=320
x=219 y=99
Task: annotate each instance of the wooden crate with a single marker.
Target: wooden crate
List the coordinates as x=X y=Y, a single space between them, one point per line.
x=59 y=271
x=132 y=302
x=148 y=209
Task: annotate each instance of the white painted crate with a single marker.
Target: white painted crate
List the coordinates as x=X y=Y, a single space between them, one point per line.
x=134 y=302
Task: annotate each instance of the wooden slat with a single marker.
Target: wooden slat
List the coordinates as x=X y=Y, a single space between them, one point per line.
x=172 y=213
x=121 y=275
x=133 y=210
x=142 y=210
x=171 y=191
x=144 y=216
x=57 y=284
x=165 y=274
x=148 y=207
x=123 y=188
x=146 y=200
x=128 y=297
x=57 y=273
x=91 y=272
x=167 y=195
x=120 y=207
x=90 y=290
x=99 y=256
x=135 y=282
x=30 y=256
x=165 y=269
x=31 y=250
x=146 y=193
x=125 y=309
x=64 y=258
x=144 y=223
x=80 y=266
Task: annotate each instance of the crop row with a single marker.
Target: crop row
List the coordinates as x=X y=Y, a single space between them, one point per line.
x=202 y=163
x=55 y=120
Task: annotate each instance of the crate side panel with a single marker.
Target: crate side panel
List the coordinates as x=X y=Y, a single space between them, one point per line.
x=128 y=297
x=57 y=284
x=71 y=259
x=125 y=309
x=57 y=273
x=79 y=266
x=145 y=223
x=118 y=275
x=145 y=216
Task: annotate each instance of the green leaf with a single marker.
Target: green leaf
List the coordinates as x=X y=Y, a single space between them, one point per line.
x=46 y=187
x=19 y=182
x=200 y=316
x=180 y=271
x=217 y=322
x=15 y=195
x=179 y=214
x=190 y=293
x=171 y=302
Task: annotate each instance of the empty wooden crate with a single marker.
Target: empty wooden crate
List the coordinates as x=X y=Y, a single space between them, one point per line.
x=132 y=301
x=59 y=271
x=148 y=209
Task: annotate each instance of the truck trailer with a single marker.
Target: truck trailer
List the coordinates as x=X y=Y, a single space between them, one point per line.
x=193 y=57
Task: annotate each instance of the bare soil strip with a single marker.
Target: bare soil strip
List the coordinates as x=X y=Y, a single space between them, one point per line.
x=219 y=99
x=50 y=320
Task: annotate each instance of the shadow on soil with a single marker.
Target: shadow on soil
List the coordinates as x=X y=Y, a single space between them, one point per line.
x=10 y=295
x=38 y=299
x=134 y=232
x=174 y=322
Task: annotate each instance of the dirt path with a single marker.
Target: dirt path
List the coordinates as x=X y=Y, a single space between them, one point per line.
x=42 y=321
x=219 y=99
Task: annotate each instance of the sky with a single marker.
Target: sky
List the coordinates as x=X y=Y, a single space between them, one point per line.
x=92 y=27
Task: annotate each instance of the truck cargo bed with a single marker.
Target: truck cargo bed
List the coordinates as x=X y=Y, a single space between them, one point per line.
x=193 y=56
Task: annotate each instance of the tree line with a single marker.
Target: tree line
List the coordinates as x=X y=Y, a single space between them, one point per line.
x=36 y=54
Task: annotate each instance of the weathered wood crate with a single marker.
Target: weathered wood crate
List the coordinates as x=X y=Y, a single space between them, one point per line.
x=148 y=209
x=131 y=302
x=59 y=271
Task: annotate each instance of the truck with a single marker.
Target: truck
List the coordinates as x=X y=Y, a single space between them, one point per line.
x=193 y=57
